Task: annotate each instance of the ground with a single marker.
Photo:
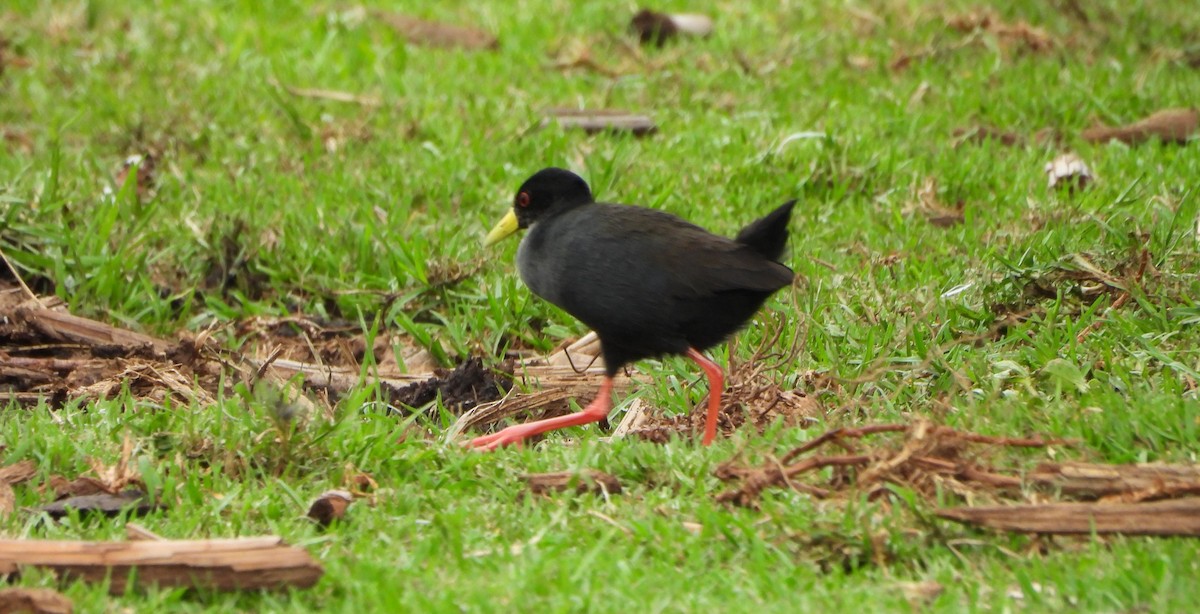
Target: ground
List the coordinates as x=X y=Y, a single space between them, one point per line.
x=324 y=173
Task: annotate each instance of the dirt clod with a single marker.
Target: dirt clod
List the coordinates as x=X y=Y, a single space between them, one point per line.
x=468 y=385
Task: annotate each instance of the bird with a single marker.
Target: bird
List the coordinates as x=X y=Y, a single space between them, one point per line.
x=647 y=282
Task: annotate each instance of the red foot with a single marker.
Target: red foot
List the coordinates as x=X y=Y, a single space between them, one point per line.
x=596 y=411
x=716 y=385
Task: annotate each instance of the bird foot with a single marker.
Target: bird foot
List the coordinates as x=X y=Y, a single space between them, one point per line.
x=509 y=436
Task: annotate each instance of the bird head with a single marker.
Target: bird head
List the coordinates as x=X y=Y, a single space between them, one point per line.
x=547 y=191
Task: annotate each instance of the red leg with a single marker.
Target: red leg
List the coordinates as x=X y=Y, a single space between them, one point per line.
x=716 y=385
x=596 y=411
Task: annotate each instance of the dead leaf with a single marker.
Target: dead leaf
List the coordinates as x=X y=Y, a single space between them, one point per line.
x=1070 y=171
x=1169 y=125
x=360 y=483
x=120 y=474
x=34 y=601
x=330 y=506
x=589 y=480
x=1022 y=33
x=79 y=487
x=438 y=34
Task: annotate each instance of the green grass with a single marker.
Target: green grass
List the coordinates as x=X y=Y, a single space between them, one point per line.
x=255 y=215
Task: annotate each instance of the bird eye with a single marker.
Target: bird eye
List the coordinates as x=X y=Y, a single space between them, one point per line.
x=523 y=199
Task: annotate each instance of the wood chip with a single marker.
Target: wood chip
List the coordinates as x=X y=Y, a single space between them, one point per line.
x=438 y=34
x=1069 y=171
x=34 y=601
x=604 y=120
x=590 y=480
x=330 y=506
x=635 y=417
x=1168 y=125
x=1172 y=517
x=220 y=564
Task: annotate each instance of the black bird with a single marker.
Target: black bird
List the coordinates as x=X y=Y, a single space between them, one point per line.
x=647 y=282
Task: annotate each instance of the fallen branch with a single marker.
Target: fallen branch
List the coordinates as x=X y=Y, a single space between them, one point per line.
x=220 y=564
x=1175 y=517
x=1091 y=481
x=63 y=326
x=602 y=120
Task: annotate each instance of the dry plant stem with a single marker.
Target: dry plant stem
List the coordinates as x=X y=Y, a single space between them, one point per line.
x=1121 y=300
x=17 y=276
x=877 y=466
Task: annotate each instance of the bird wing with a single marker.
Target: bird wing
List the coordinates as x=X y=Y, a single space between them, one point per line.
x=699 y=262
x=634 y=268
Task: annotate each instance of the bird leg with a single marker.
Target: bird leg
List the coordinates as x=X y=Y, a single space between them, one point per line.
x=716 y=385
x=596 y=411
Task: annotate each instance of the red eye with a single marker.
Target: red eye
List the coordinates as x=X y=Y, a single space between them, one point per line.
x=523 y=199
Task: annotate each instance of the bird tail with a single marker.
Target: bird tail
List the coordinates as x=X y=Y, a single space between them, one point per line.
x=768 y=234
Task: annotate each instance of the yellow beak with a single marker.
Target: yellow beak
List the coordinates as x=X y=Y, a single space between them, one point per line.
x=507 y=226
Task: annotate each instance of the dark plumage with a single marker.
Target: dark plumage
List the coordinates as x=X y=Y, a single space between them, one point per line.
x=647 y=282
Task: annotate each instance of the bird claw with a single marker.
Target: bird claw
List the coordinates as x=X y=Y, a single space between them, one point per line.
x=509 y=436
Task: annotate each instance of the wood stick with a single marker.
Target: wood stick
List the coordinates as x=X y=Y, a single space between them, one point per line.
x=1173 y=517
x=1089 y=480
x=602 y=120
x=66 y=327
x=221 y=564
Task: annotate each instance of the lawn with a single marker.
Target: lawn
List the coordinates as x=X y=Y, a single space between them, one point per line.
x=938 y=277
